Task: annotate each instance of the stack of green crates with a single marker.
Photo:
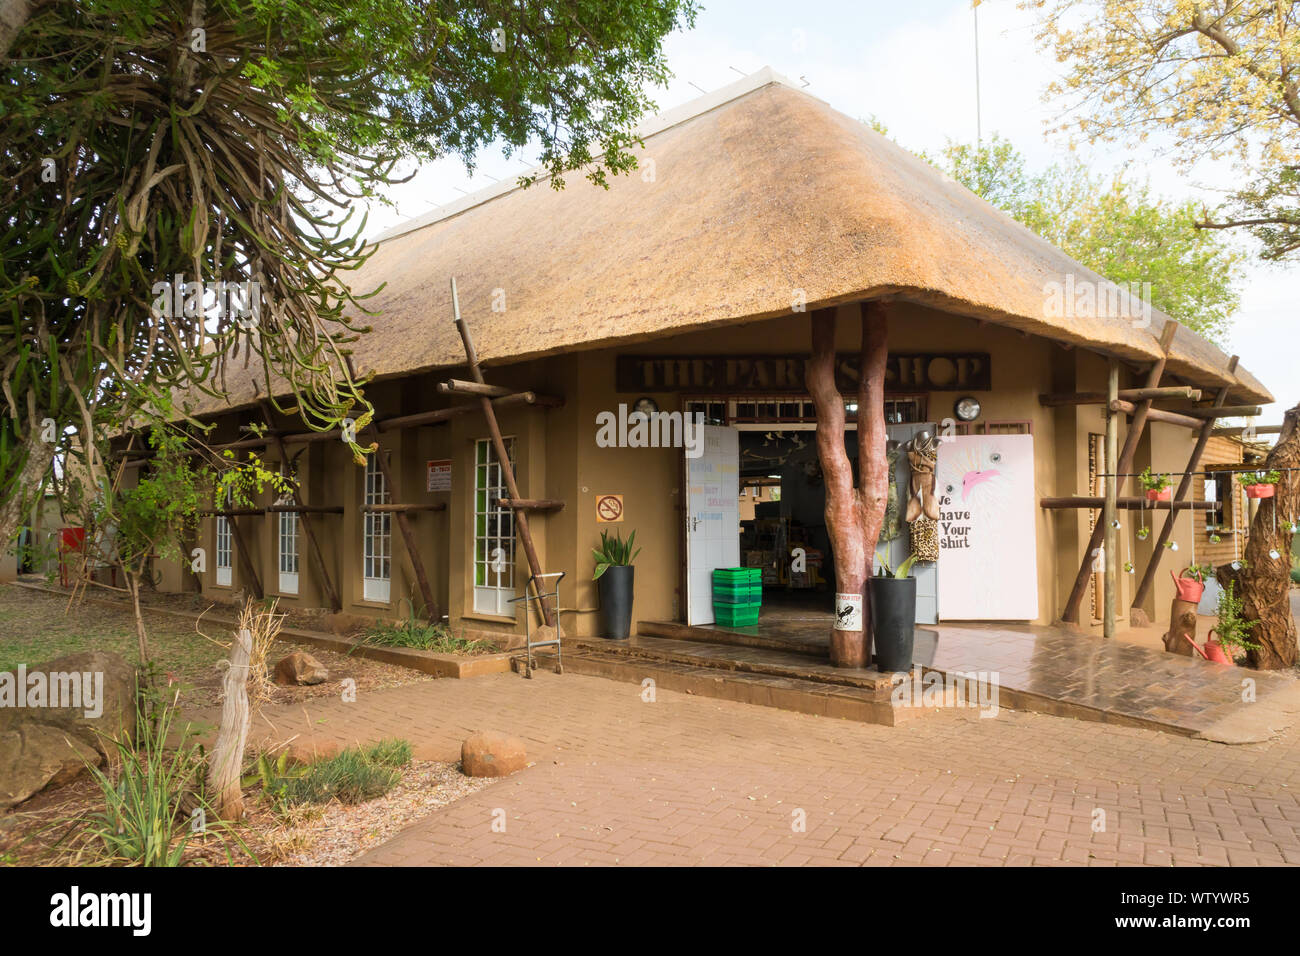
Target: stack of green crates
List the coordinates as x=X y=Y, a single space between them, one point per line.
x=737 y=596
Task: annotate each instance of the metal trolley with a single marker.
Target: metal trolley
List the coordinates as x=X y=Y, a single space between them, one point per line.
x=540 y=596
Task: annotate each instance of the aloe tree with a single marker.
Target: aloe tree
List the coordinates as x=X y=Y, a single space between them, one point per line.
x=226 y=141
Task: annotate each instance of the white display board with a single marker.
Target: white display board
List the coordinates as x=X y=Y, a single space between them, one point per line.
x=988 y=553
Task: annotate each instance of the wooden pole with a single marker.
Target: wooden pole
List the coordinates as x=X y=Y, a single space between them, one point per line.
x=1124 y=503
x=503 y=460
x=1110 y=576
x=1137 y=614
x=1136 y=428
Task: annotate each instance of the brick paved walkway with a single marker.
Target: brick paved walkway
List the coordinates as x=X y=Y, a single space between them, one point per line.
x=687 y=780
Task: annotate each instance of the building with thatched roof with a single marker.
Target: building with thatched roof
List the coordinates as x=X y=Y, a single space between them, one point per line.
x=687 y=288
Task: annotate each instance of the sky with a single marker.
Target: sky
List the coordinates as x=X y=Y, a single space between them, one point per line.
x=912 y=66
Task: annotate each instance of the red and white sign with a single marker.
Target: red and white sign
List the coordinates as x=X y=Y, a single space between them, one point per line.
x=437 y=475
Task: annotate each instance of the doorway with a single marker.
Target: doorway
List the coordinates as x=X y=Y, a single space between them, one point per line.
x=756 y=498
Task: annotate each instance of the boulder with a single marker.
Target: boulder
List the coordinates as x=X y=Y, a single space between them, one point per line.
x=300 y=668
x=487 y=753
x=42 y=745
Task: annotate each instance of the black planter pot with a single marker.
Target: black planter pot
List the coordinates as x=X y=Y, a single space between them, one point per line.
x=893 y=622
x=615 y=588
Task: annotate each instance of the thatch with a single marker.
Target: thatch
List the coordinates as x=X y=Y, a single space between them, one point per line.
x=769 y=191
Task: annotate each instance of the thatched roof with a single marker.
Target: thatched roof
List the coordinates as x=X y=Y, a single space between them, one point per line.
x=758 y=189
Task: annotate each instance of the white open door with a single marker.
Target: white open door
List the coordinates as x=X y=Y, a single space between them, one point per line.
x=712 y=518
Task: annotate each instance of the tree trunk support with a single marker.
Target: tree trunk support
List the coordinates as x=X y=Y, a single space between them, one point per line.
x=503 y=460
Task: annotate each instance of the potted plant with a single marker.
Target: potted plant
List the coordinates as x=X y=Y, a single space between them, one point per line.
x=614 y=575
x=1191 y=583
x=1157 y=486
x=1233 y=631
x=1260 y=484
x=893 y=615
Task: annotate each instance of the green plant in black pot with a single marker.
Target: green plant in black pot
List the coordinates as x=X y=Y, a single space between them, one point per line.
x=613 y=577
x=893 y=615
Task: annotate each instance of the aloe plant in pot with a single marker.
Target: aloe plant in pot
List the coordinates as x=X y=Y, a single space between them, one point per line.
x=893 y=615
x=614 y=580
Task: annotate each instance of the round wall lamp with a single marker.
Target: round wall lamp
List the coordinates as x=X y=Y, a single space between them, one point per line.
x=967 y=408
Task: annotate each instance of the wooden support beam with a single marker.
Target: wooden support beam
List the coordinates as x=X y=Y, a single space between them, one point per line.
x=232 y=512
x=1171 y=392
x=1155 y=414
x=431 y=606
x=1125 y=464
x=1238 y=431
x=245 y=560
x=1127 y=503
x=402 y=509
x=1137 y=614
x=549 y=615
x=1110 y=572
x=532 y=504
x=459 y=386
x=306 y=509
x=1227 y=411
x=332 y=595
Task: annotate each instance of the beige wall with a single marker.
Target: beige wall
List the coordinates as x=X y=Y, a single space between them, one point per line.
x=557 y=457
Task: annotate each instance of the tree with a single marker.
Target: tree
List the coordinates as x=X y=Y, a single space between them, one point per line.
x=1220 y=78
x=854 y=515
x=1217 y=76
x=222 y=142
x=1115 y=227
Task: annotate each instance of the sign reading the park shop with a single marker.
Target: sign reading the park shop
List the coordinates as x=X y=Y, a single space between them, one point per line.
x=437 y=475
x=988 y=558
x=777 y=374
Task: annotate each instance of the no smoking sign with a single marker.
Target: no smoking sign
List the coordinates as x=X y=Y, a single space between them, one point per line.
x=609 y=509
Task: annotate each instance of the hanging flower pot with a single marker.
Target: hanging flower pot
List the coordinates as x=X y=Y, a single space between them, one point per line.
x=1260 y=484
x=1156 y=486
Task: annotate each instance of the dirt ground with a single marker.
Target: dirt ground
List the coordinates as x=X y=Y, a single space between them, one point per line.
x=35 y=627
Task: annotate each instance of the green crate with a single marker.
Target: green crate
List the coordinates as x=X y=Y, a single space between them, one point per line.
x=737 y=593
x=735 y=615
x=737 y=575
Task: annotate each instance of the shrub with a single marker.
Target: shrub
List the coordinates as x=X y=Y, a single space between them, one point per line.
x=352 y=776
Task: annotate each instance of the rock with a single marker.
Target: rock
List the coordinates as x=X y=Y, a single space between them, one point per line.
x=300 y=668
x=487 y=753
x=43 y=745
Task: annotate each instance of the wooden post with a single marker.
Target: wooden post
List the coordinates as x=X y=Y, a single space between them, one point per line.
x=1135 y=430
x=503 y=460
x=1137 y=613
x=1110 y=575
x=227 y=758
x=318 y=558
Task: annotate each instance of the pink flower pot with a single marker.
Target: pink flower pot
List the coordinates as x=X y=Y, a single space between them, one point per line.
x=1161 y=494
x=1189 y=589
x=1260 y=491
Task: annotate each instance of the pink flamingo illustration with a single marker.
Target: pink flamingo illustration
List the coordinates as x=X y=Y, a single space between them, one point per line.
x=973 y=478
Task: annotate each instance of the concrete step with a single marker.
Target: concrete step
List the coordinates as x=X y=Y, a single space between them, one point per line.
x=745 y=659
x=866 y=704
x=737 y=636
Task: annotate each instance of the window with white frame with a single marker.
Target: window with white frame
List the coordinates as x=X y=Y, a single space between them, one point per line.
x=288 y=548
x=224 y=551
x=378 y=541
x=494 y=532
